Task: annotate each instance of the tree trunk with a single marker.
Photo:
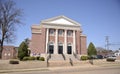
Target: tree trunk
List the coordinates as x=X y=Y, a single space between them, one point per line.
x=1 y=49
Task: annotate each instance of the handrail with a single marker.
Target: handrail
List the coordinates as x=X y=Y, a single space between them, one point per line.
x=75 y=55
x=71 y=62
x=63 y=56
x=48 y=58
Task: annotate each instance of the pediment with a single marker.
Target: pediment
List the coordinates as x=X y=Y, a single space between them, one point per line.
x=61 y=20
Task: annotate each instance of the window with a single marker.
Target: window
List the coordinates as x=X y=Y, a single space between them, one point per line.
x=51 y=31
x=60 y=32
x=5 y=54
x=8 y=54
x=69 y=33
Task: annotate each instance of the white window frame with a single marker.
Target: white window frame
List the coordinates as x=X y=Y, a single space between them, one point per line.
x=60 y=32
x=52 y=32
x=69 y=31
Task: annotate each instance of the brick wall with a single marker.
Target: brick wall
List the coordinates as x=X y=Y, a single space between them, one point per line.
x=83 y=45
x=9 y=52
x=38 y=42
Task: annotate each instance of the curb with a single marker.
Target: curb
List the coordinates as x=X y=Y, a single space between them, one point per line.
x=24 y=70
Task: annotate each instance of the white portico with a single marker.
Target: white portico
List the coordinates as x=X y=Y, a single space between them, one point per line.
x=61 y=27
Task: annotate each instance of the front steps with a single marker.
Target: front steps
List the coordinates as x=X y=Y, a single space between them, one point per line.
x=67 y=63
x=59 y=60
x=60 y=57
x=56 y=57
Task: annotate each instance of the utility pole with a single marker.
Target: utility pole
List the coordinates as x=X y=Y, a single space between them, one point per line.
x=107 y=42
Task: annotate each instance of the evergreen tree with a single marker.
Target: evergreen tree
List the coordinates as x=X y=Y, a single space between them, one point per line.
x=23 y=50
x=91 y=49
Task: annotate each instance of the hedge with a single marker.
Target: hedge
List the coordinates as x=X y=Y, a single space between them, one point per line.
x=34 y=58
x=28 y=58
x=42 y=59
x=84 y=57
x=14 y=61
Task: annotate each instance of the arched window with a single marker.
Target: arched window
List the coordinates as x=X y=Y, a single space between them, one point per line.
x=69 y=48
x=60 y=48
x=51 y=48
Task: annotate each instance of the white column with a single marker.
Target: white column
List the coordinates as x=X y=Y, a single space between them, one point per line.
x=65 y=42
x=56 y=42
x=74 y=42
x=47 y=40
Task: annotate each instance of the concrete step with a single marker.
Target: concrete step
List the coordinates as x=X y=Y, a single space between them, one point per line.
x=67 y=63
x=60 y=57
x=56 y=57
x=68 y=57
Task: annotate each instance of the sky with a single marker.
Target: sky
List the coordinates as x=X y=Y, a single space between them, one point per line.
x=98 y=18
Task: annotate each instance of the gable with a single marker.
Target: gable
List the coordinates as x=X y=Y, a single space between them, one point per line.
x=61 y=20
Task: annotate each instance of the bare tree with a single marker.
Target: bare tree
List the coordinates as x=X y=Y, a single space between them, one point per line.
x=10 y=17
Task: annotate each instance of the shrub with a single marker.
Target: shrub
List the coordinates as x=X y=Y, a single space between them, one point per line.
x=23 y=51
x=31 y=58
x=42 y=58
x=25 y=58
x=84 y=58
x=37 y=58
x=110 y=59
x=14 y=61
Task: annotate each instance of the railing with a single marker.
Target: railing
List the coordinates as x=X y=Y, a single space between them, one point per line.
x=75 y=55
x=48 y=58
x=71 y=62
x=63 y=56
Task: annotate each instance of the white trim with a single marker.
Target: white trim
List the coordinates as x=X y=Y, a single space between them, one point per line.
x=61 y=17
x=47 y=40
x=56 y=42
x=74 y=42
x=48 y=25
x=65 y=42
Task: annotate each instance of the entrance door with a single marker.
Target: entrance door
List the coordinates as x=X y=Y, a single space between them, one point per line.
x=69 y=49
x=51 y=49
x=60 y=49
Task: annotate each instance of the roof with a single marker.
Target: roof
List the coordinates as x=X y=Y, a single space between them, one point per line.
x=61 y=20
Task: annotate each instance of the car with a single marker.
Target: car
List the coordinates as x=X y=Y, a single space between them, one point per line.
x=99 y=57
x=112 y=57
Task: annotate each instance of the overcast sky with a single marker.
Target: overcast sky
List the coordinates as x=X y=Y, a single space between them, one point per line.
x=99 y=18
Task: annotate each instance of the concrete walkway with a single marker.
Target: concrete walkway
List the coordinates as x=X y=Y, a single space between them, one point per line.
x=49 y=68
x=97 y=64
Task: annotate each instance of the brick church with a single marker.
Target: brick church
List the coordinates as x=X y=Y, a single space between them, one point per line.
x=58 y=35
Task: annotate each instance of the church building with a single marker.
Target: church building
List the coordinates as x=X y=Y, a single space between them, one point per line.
x=58 y=35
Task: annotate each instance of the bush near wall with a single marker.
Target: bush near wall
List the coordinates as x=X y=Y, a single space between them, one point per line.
x=34 y=58
x=28 y=58
x=14 y=61
x=37 y=58
x=42 y=59
x=84 y=58
x=25 y=58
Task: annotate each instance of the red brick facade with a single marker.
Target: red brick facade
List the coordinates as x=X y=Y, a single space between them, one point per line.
x=9 y=52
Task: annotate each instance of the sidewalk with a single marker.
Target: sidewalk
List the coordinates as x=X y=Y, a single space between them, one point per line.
x=49 y=68
x=97 y=64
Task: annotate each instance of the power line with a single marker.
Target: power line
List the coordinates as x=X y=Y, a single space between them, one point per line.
x=108 y=44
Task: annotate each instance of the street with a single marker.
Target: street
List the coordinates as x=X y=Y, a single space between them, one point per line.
x=97 y=70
